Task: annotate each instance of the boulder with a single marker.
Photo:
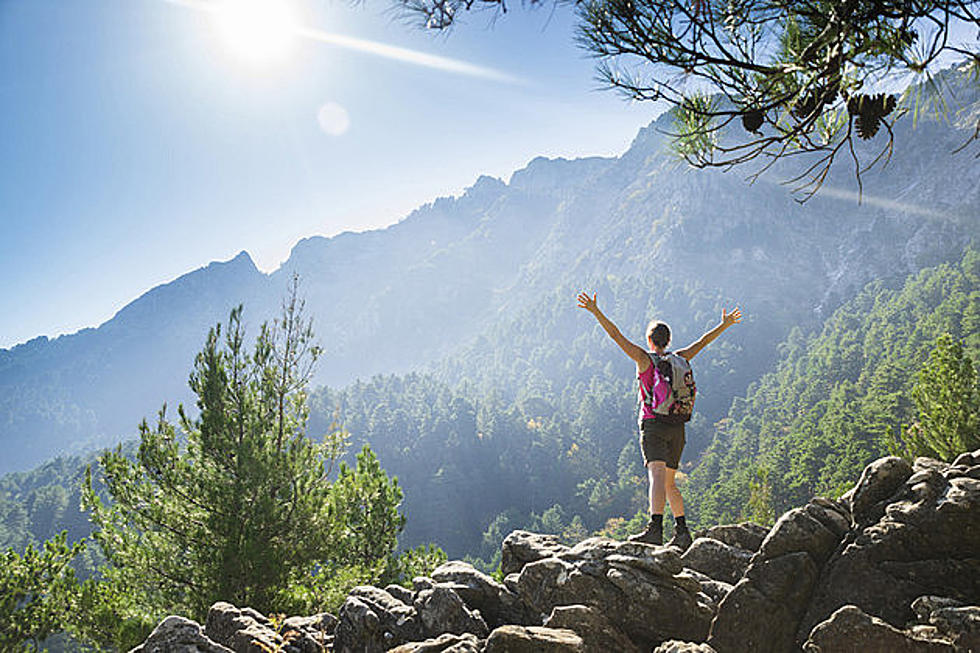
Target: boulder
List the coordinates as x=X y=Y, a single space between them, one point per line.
x=497 y=604
x=762 y=612
x=960 y=625
x=441 y=610
x=403 y=594
x=596 y=631
x=448 y=643
x=534 y=639
x=309 y=634
x=639 y=588
x=926 y=542
x=243 y=630
x=372 y=621
x=675 y=646
x=746 y=535
x=716 y=559
x=521 y=547
x=879 y=481
x=179 y=635
x=851 y=630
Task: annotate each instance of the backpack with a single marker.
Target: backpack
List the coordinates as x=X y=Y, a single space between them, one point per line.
x=678 y=406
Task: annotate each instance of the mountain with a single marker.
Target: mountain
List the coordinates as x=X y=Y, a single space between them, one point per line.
x=479 y=289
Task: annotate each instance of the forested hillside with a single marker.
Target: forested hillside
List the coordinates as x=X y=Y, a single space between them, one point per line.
x=838 y=397
x=479 y=289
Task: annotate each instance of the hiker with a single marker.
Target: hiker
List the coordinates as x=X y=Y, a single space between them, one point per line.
x=661 y=420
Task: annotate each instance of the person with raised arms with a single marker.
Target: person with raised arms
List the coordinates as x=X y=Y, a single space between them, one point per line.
x=666 y=398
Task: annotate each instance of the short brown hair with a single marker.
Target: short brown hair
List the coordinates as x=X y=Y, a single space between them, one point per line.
x=659 y=333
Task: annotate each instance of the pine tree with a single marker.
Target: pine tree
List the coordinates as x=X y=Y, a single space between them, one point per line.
x=236 y=504
x=947 y=398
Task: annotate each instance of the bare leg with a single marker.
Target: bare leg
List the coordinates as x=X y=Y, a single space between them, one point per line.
x=673 y=494
x=656 y=472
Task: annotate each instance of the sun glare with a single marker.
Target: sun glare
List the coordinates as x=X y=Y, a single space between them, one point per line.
x=260 y=32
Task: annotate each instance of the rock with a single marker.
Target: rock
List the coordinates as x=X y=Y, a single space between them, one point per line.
x=968 y=459
x=441 y=610
x=372 y=620
x=522 y=547
x=448 y=643
x=814 y=528
x=850 y=630
x=596 y=631
x=403 y=594
x=420 y=583
x=534 y=639
x=960 y=624
x=309 y=634
x=616 y=577
x=878 y=482
x=716 y=559
x=243 y=630
x=716 y=590
x=179 y=635
x=747 y=535
x=926 y=542
x=924 y=606
x=763 y=610
x=497 y=604
x=675 y=646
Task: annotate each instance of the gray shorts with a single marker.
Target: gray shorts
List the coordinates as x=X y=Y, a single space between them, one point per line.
x=660 y=441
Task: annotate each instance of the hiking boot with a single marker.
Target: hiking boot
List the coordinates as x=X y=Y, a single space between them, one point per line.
x=681 y=539
x=653 y=534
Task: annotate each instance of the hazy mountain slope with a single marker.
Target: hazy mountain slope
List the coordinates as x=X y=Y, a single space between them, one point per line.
x=486 y=282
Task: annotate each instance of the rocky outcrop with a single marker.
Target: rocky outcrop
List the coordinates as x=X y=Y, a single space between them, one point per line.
x=179 y=635
x=894 y=565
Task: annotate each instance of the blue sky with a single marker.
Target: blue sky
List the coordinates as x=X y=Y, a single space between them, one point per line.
x=136 y=145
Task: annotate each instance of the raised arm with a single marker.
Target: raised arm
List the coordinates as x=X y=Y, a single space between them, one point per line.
x=727 y=319
x=635 y=352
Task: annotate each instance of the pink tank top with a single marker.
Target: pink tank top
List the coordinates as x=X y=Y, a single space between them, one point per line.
x=651 y=384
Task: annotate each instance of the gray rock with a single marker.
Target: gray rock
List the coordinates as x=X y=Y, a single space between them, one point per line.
x=804 y=529
x=403 y=594
x=497 y=603
x=447 y=643
x=441 y=610
x=675 y=646
x=924 y=606
x=534 y=639
x=960 y=624
x=179 y=635
x=616 y=577
x=927 y=542
x=716 y=559
x=763 y=610
x=715 y=589
x=747 y=535
x=309 y=634
x=372 y=620
x=850 y=630
x=968 y=459
x=521 y=547
x=879 y=481
x=596 y=631
x=243 y=630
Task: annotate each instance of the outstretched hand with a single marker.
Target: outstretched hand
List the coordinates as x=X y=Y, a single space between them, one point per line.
x=729 y=319
x=588 y=303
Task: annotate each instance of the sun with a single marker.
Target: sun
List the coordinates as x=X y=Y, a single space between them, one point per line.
x=260 y=32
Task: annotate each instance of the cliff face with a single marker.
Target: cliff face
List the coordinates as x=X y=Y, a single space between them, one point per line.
x=893 y=565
